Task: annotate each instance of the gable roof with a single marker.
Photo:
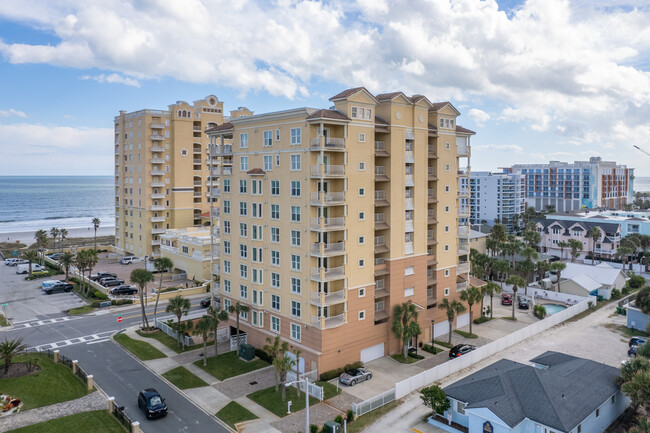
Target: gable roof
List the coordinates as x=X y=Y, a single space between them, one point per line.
x=585 y=281
x=464 y=130
x=328 y=114
x=255 y=171
x=560 y=395
x=222 y=127
x=437 y=106
x=349 y=92
x=610 y=229
x=605 y=275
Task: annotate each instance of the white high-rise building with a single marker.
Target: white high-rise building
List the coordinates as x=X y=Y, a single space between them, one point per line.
x=496 y=196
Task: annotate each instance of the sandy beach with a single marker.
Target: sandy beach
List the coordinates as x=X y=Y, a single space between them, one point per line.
x=27 y=237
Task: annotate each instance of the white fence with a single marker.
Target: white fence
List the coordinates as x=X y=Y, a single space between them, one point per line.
x=314 y=390
x=243 y=339
x=169 y=331
x=374 y=402
x=565 y=298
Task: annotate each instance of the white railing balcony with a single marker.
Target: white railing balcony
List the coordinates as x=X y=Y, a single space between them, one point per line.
x=408 y=226
x=331 y=143
x=157 y=196
x=431 y=171
x=226 y=149
x=157 y=149
x=327 y=198
x=197 y=160
x=216 y=212
x=328 y=223
x=215 y=193
x=216 y=252
x=431 y=150
x=463 y=231
x=328 y=322
x=157 y=207
x=327 y=274
x=156 y=172
x=321 y=170
x=156 y=137
x=431 y=195
x=214 y=151
x=157 y=184
x=380 y=170
x=463 y=211
x=380 y=147
x=197 y=183
x=226 y=171
x=431 y=275
x=380 y=195
x=321 y=249
x=463 y=172
x=461 y=285
x=463 y=249
x=462 y=268
x=157 y=231
x=157 y=161
x=216 y=269
x=154 y=125
x=196 y=128
x=463 y=192
x=380 y=218
x=196 y=150
x=155 y=242
x=463 y=149
x=380 y=241
x=158 y=219
x=216 y=171
x=331 y=298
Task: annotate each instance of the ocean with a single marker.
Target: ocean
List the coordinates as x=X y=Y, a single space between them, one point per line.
x=642 y=184
x=29 y=203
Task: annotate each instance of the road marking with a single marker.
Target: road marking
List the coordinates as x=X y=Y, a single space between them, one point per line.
x=35 y=323
x=88 y=339
x=416 y=430
x=151 y=313
x=99 y=341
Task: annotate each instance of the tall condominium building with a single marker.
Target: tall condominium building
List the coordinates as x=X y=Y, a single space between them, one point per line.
x=496 y=196
x=332 y=217
x=162 y=178
x=581 y=184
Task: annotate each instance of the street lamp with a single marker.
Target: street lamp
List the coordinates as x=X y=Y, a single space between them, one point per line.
x=306 y=399
x=433 y=329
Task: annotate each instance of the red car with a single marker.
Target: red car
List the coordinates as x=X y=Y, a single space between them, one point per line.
x=506 y=299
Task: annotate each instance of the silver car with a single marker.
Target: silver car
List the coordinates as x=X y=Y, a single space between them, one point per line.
x=354 y=376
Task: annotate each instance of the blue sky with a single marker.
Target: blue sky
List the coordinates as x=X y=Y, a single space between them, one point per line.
x=537 y=79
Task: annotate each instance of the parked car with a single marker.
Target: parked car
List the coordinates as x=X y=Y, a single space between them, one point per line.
x=17 y=262
x=632 y=351
x=55 y=256
x=58 y=288
x=49 y=283
x=635 y=341
x=40 y=273
x=105 y=279
x=128 y=260
x=151 y=403
x=205 y=303
x=354 y=376
x=523 y=304
x=24 y=269
x=102 y=274
x=460 y=349
x=124 y=289
x=112 y=282
x=11 y=261
x=506 y=299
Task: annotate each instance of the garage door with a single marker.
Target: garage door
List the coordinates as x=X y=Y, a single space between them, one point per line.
x=373 y=352
x=441 y=328
x=463 y=320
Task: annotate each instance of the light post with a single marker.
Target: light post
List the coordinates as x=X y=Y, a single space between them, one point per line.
x=146 y=302
x=306 y=399
x=433 y=330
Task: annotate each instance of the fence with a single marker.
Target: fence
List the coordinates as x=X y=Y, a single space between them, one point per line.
x=81 y=374
x=314 y=390
x=243 y=339
x=187 y=341
x=374 y=402
x=118 y=413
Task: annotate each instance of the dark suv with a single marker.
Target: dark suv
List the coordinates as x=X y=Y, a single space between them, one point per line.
x=99 y=275
x=58 y=288
x=111 y=282
x=151 y=403
x=124 y=289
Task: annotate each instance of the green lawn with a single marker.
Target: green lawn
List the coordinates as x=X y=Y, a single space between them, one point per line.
x=168 y=341
x=445 y=344
x=80 y=310
x=233 y=413
x=54 y=383
x=229 y=365
x=272 y=401
x=98 y=421
x=140 y=349
x=183 y=378
x=364 y=421
x=3 y=321
x=329 y=389
x=465 y=334
x=400 y=358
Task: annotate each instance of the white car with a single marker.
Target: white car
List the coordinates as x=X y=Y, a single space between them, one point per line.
x=23 y=269
x=49 y=283
x=15 y=262
x=128 y=260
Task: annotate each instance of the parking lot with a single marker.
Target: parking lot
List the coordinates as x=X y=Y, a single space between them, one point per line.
x=110 y=262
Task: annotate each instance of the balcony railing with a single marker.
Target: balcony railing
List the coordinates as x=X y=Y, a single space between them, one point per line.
x=156 y=125
x=157 y=161
x=380 y=198
x=331 y=298
x=380 y=148
x=431 y=195
x=463 y=210
x=327 y=198
x=155 y=242
x=463 y=192
x=327 y=170
x=462 y=268
x=215 y=193
x=157 y=196
x=463 y=172
x=156 y=137
x=156 y=172
x=328 y=223
x=380 y=218
x=463 y=249
x=327 y=274
x=197 y=161
x=157 y=184
x=328 y=322
x=321 y=249
x=216 y=269
x=331 y=143
x=431 y=151
x=463 y=149
x=157 y=219
x=431 y=172
x=157 y=207
x=157 y=149
x=463 y=231
x=226 y=149
x=157 y=231
x=461 y=285
x=227 y=171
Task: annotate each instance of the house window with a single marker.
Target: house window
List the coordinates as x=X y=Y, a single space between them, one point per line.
x=243 y=230
x=243 y=251
x=362 y=292
x=243 y=272
x=243 y=163
x=295 y=163
x=257 y=255
x=226 y=185
x=295 y=136
x=275 y=211
x=256 y=187
x=243 y=140
x=295 y=188
x=226 y=206
x=295 y=214
x=243 y=187
x=243 y=291
x=447 y=146
x=446 y=248
x=446 y=292
x=597 y=412
x=447 y=167
x=362 y=263
x=277 y=135
x=295 y=285
x=362 y=166
x=275 y=187
x=258 y=297
x=226 y=286
x=226 y=247
x=295 y=308
x=362 y=216
x=226 y=266
x=362 y=315
x=362 y=137
x=268 y=138
x=186 y=250
x=243 y=208
x=460 y=407
x=275 y=302
x=361 y=113
x=362 y=192
x=275 y=258
x=361 y=240
x=295 y=332
x=409 y=270
x=258 y=318
x=613 y=399
x=258 y=277
x=408 y=291
x=275 y=280
x=257 y=210
x=275 y=235
x=295 y=238
x=257 y=232
x=268 y=162
x=446 y=272
x=275 y=324
x=295 y=262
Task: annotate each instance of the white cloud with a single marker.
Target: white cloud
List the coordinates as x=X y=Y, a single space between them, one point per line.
x=498 y=147
x=479 y=117
x=12 y=112
x=112 y=78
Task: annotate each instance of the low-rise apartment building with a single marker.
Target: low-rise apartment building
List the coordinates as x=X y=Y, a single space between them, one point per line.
x=553 y=231
x=331 y=217
x=191 y=249
x=631 y=222
x=496 y=197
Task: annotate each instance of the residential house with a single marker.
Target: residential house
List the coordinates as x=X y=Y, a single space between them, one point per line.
x=477 y=241
x=583 y=279
x=554 y=231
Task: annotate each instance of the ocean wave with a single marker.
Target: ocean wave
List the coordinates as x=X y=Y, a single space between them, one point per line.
x=7 y=221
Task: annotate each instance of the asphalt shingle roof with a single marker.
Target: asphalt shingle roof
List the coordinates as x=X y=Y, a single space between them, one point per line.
x=610 y=229
x=328 y=114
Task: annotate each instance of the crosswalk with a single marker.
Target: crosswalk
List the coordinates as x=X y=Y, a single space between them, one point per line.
x=99 y=337
x=36 y=323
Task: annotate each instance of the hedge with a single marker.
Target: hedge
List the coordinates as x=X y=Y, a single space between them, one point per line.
x=331 y=374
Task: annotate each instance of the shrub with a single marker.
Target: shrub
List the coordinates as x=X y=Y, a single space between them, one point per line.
x=481 y=319
x=539 y=311
x=99 y=295
x=415 y=355
x=263 y=356
x=121 y=301
x=331 y=374
x=616 y=294
x=636 y=282
x=626 y=290
x=350 y=415
x=313 y=428
x=95 y=304
x=339 y=419
x=429 y=348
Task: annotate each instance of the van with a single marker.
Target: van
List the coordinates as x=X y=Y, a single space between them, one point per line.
x=24 y=269
x=128 y=260
x=48 y=283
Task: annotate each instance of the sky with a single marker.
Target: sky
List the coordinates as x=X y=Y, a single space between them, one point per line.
x=537 y=80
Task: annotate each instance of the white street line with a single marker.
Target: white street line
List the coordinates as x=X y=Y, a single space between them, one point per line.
x=99 y=341
x=88 y=339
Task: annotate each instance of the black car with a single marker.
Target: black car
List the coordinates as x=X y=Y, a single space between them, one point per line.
x=151 y=403
x=99 y=275
x=111 y=282
x=632 y=351
x=635 y=341
x=523 y=304
x=124 y=289
x=58 y=288
x=55 y=256
x=460 y=349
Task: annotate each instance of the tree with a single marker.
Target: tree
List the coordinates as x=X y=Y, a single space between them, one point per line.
x=498 y=233
x=141 y=277
x=81 y=262
x=237 y=309
x=632 y=367
x=638 y=389
x=594 y=234
x=491 y=245
x=492 y=288
x=63 y=233
x=575 y=246
x=277 y=350
x=643 y=300
x=471 y=295
x=216 y=316
x=451 y=309
x=511 y=248
x=54 y=232
x=559 y=267
x=31 y=256
x=562 y=245
x=435 y=399
x=532 y=238
x=502 y=268
x=91 y=260
x=272 y=348
x=66 y=261
x=526 y=268
x=204 y=327
x=179 y=307
x=643 y=427
x=161 y=264
x=516 y=281
x=41 y=240
x=405 y=324
x=95 y=226
x=623 y=253
x=542 y=268
x=9 y=349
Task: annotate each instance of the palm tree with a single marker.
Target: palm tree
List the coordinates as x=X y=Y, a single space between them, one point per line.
x=526 y=268
x=451 y=309
x=63 y=233
x=161 y=264
x=502 y=268
x=237 y=309
x=594 y=234
x=623 y=253
x=575 y=246
x=498 y=233
x=283 y=364
x=511 y=248
x=141 y=277
x=81 y=262
x=54 y=232
x=92 y=260
x=31 y=256
x=562 y=245
x=542 y=268
x=559 y=267
x=179 y=307
x=471 y=295
x=66 y=261
x=405 y=325
x=532 y=238
x=492 y=288
x=296 y=354
x=95 y=226
x=41 y=240
x=204 y=327
x=216 y=316
x=9 y=349
x=516 y=281
x=273 y=348
x=491 y=245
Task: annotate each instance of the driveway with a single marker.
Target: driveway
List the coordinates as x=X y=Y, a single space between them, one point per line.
x=385 y=373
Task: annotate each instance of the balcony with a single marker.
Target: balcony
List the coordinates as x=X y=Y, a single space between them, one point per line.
x=327 y=224
x=381 y=315
x=380 y=198
x=431 y=217
x=409 y=180
x=157 y=196
x=157 y=231
x=431 y=277
x=463 y=211
x=322 y=299
x=197 y=161
x=157 y=219
x=216 y=171
x=327 y=274
x=327 y=144
x=431 y=151
x=215 y=193
x=154 y=125
x=463 y=231
x=226 y=149
x=463 y=149
x=157 y=149
x=216 y=269
x=381 y=268
x=431 y=237
x=431 y=297
x=461 y=285
x=328 y=171
x=157 y=207
x=431 y=172
x=463 y=192
x=155 y=242
x=321 y=249
x=380 y=245
x=462 y=268
x=157 y=161
x=226 y=171
x=431 y=258
x=156 y=184
x=431 y=196
x=156 y=137
x=463 y=172
x=328 y=322
x=157 y=172
x=463 y=249
x=380 y=174
x=380 y=222
x=196 y=150
x=327 y=198
x=196 y=128
x=380 y=149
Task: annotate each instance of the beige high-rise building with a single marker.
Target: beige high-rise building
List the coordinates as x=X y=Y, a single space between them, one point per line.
x=162 y=178
x=330 y=218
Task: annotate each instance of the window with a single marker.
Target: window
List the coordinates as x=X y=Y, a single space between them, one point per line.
x=268 y=162
x=295 y=308
x=243 y=140
x=243 y=163
x=295 y=332
x=408 y=291
x=243 y=187
x=446 y=248
x=295 y=214
x=362 y=315
x=275 y=211
x=295 y=188
x=243 y=251
x=275 y=187
x=256 y=186
x=275 y=324
x=361 y=113
x=295 y=262
x=258 y=318
x=597 y=412
x=446 y=188
x=447 y=146
x=275 y=234
x=257 y=210
x=257 y=255
x=446 y=229
x=226 y=227
x=362 y=292
x=268 y=138
x=446 y=272
x=243 y=208
x=226 y=206
x=275 y=258
x=361 y=240
x=226 y=286
x=409 y=270
x=362 y=137
x=295 y=136
x=446 y=292
x=226 y=304
x=275 y=280
x=447 y=167
x=226 y=185
x=295 y=238
x=186 y=250
x=258 y=277
x=243 y=230
x=226 y=247
x=277 y=135
x=243 y=272
x=257 y=233
x=277 y=160
x=226 y=266
x=362 y=166
x=295 y=285
x=460 y=407
x=295 y=163
x=362 y=216
x=243 y=291
x=446 y=209
x=362 y=263
x=362 y=192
